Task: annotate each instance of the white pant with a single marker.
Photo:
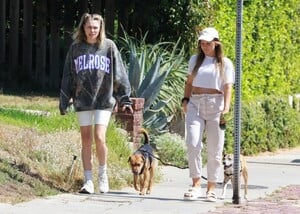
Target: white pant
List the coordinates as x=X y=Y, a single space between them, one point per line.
x=203 y=113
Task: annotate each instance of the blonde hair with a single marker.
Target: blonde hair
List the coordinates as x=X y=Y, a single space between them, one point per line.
x=218 y=54
x=79 y=35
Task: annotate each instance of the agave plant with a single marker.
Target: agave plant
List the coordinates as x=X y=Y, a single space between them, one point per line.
x=149 y=68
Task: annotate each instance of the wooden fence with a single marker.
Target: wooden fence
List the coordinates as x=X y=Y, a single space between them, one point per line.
x=35 y=35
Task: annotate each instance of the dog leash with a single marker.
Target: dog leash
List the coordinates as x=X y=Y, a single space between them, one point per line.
x=146 y=135
x=180 y=167
x=170 y=164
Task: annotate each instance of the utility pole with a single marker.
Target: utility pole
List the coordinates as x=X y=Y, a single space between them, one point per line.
x=237 y=109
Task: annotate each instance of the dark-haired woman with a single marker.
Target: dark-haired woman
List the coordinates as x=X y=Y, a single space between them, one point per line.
x=207 y=96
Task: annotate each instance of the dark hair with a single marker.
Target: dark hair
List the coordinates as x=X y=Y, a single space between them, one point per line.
x=218 y=54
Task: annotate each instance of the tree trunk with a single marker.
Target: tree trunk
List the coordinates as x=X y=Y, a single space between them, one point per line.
x=109 y=17
x=2 y=31
x=124 y=7
x=40 y=71
x=27 y=42
x=68 y=24
x=54 y=53
x=83 y=7
x=97 y=7
x=2 y=43
x=13 y=60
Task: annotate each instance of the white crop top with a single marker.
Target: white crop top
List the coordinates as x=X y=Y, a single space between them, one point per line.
x=208 y=76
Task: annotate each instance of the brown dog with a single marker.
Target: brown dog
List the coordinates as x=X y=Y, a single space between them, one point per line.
x=143 y=166
x=228 y=173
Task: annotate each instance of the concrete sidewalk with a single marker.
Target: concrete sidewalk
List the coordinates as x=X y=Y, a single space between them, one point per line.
x=266 y=174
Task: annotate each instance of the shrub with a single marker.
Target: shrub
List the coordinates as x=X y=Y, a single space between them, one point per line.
x=171 y=149
x=267 y=124
x=156 y=73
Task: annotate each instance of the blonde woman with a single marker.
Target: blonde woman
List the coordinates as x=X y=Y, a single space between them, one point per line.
x=94 y=79
x=207 y=96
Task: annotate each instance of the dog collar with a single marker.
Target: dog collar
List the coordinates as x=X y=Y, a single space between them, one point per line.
x=226 y=167
x=228 y=174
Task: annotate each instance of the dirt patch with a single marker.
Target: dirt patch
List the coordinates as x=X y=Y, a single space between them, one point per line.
x=282 y=201
x=13 y=192
x=31 y=163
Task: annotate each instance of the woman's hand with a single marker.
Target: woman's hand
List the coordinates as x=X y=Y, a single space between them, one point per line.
x=184 y=106
x=225 y=111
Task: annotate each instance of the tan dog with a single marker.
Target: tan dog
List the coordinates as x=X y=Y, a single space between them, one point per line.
x=228 y=173
x=143 y=166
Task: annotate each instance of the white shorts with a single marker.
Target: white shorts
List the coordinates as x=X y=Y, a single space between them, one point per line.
x=86 y=118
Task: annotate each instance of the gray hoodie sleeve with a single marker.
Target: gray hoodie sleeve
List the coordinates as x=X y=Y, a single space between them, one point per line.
x=66 y=84
x=122 y=88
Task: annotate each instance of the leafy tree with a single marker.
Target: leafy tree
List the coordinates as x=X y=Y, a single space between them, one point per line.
x=166 y=20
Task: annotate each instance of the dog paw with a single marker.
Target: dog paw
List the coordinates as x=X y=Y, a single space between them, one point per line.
x=148 y=192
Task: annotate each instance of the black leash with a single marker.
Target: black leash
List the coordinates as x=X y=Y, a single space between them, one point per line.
x=146 y=136
x=170 y=164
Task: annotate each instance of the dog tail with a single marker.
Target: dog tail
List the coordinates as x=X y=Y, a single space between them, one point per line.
x=146 y=135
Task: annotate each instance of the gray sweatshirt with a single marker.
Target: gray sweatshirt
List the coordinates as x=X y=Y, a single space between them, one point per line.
x=95 y=78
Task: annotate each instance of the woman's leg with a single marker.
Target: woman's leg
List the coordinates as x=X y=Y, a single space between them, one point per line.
x=86 y=150
x=215 y=144
x=194 y=133
x=101 y=147
x=101 y=122
x=86 y=155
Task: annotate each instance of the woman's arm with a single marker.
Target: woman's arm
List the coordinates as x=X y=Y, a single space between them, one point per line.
x=187 y=92
x=227 y=97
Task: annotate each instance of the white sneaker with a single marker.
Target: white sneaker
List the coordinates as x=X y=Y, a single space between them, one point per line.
x=87 y=188
x=103 y=183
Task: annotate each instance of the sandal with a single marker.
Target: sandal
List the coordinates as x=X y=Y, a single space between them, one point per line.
x=193 y=193
x=211 y=196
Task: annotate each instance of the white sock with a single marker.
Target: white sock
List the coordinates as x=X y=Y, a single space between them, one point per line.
x=88 y=174
x=102 y=170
